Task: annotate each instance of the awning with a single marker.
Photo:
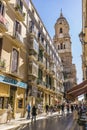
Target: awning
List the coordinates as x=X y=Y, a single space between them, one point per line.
x=77 y=90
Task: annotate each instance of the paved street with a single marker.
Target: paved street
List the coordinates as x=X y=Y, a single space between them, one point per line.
x=54 y=123
x=44 y=122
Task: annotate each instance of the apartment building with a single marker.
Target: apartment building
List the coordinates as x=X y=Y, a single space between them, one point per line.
x=83 y=39
x=13 y=62
x=30 y=67
x=46 y=83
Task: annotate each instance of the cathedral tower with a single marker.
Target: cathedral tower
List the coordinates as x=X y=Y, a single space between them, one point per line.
x=62 y=42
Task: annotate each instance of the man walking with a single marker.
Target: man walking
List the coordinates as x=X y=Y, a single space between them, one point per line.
x=28 y=111
x=34 y=113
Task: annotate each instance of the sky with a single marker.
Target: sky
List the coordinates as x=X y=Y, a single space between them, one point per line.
x=49 y=12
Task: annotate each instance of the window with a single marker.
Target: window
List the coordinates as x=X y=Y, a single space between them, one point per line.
x=47 y=81
x=20 y=103
x=1 y=8
x=58 y=47
x=17 y=27
x=33 y=11
x=61 y=45
x=31 y=26
x=40 y=74
x=40 y=56
x=15 y=55
x=20 y=4
x=64 y=46
x=61 y=31
x=3 y=102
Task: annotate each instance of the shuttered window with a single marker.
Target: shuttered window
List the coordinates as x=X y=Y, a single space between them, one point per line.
x=15 y=56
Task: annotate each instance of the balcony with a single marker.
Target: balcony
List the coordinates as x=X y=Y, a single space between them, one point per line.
x=41 y=43
x=18 y=38
x=19 y=13
x=46 y=54
x=40 y=62
x=3 y=24
x=33 y=70
x=31 y=32
x=32 y=57
x=33 y=46
x=41 y=83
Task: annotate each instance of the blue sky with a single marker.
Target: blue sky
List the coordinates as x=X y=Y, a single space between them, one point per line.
x=49 y=11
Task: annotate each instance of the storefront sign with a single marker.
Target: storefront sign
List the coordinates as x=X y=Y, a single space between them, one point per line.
x=11 y=81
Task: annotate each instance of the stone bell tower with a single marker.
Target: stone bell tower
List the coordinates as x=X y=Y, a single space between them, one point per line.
x=62 y=42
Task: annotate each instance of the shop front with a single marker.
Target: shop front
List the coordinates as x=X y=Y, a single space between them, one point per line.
x=12 y=91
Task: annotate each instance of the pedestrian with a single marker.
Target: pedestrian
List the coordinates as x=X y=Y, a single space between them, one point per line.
x=34 y=113
x=62 y=108
x=28 y=111
x=72 y=108
x=67 y=107
x=9 y=113
x=75 y=113
x=47 y=108
x=51 y=109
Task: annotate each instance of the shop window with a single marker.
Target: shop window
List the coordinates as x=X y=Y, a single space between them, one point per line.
x=1 y=102
x=15 y=55
x=5 y=102
x=20 y=103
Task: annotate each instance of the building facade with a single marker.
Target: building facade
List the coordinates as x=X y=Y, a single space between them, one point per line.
x=45 y=78
x=13 y=62
x=30 y=67
x=83 y=39
x=62 y=42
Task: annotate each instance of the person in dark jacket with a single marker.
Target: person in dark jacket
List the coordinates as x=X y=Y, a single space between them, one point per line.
x=34 y=109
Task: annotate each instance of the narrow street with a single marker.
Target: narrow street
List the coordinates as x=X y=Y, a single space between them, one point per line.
x=54 y=123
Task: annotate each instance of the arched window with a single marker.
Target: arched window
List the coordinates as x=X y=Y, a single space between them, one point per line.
x=58 y=47
x=64 y=46
x=61 y=30
x=61 y=45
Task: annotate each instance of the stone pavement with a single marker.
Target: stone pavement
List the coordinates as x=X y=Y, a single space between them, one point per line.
x=17 y=124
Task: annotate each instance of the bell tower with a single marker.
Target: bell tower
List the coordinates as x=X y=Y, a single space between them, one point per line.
x=62 y=42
